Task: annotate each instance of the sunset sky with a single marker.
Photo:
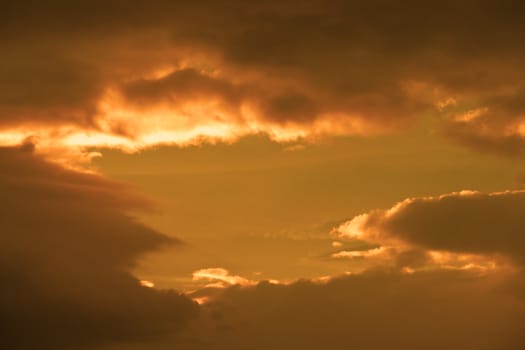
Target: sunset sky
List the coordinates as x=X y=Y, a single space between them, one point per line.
x=262 y=175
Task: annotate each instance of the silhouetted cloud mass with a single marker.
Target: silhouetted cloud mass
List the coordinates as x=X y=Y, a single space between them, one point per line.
x=375 y=310
x=67 y=245
x=462 y=222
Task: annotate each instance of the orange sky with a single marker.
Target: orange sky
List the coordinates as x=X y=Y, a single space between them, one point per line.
x=253 y=175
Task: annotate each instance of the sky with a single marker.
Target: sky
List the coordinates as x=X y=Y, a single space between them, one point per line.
x=254 y=175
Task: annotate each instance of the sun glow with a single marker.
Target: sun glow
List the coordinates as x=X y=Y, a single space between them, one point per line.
x=354 y=228
x=131 y=127
x=220 y=278
x=360 y=253
x=146 y=283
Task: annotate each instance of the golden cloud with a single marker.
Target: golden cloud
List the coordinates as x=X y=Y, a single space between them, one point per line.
x=169 y=72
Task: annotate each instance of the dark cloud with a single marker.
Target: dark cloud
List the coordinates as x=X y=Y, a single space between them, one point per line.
x=179 y=86
x=183 y=86
x=497 y=125
x=67 y=243
x=364 y=66
x=465 y=222
x=373 y=310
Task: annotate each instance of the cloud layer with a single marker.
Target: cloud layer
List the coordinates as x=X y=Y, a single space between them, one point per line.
x=171 y=72
x=374 y=310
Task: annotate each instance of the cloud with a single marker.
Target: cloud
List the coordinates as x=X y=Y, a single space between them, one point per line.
x=374 y=310
x=464 y=222
x=497 y=125
x=437 y=276
x=67 y=244
x=102 y=74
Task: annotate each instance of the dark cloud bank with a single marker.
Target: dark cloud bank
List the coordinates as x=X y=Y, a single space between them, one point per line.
x=66 y=245
x=370 y=66
x=375 y=310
